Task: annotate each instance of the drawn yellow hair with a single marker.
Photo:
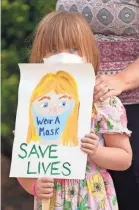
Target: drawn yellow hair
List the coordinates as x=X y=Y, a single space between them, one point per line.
x=60 y=83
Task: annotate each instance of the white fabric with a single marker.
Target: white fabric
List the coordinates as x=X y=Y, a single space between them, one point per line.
x=64 y=58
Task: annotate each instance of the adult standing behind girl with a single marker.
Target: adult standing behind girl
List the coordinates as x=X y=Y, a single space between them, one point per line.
x=116 y=28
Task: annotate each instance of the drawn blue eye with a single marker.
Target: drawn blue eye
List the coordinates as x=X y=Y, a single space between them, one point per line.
x=63 y=103
x=44 y=105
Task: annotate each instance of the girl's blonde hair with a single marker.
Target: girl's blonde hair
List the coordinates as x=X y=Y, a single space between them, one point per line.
x=60 y=83
x=64 y=30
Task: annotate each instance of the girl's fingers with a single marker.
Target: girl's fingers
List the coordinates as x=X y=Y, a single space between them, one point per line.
x=87 y=140
x=88 y=151
x=46 y=196
x=47 y=185
x=46 y=190
x=91 y=136
x=47 y=180
x=44 y=187
x=87 y=146
x=92 y=131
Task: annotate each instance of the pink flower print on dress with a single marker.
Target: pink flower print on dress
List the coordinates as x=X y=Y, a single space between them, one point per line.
x=123 y=118
x=108 y=183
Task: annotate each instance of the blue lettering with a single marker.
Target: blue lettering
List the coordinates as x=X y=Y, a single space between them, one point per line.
x=56 y=131
x=47 y=133
x=51 y=132
x=40 y=122
x=41 y=131
x=57 y=120
x=48 y=121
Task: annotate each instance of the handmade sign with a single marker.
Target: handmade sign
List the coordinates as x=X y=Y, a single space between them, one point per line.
x=53 y=114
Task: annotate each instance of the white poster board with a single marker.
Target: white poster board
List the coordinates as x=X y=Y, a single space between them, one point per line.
x=53 y=114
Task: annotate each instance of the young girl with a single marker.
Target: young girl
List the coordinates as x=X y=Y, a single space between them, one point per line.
x=107 y=145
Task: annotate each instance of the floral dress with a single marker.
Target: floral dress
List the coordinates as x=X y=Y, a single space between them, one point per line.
x=96 y=191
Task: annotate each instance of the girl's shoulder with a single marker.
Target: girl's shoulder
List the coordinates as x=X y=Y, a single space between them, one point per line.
x=109 y=117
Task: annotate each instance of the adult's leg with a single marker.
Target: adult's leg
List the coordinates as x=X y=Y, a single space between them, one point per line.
x=127 y=182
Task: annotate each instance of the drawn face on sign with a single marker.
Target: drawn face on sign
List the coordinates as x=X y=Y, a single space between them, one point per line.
x=54 y=109
x=50 y=113
x=53 y=104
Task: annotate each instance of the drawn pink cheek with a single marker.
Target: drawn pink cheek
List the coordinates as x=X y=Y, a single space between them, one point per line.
x=62 y=109
x=58 y=110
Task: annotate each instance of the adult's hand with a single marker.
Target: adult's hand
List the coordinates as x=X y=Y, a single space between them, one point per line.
x=114 y=85
x=107 y=86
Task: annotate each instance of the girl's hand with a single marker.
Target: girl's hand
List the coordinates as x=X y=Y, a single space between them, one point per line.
x=89 y=144
x=44 y=188
x=107 y=86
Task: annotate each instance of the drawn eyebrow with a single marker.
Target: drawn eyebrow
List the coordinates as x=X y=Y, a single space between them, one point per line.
x=65 y=96
x=45 y=97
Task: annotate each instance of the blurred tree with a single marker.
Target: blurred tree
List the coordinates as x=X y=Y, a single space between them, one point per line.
x=19 y=19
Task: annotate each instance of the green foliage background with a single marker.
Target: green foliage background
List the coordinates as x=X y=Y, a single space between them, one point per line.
x=19 y=19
